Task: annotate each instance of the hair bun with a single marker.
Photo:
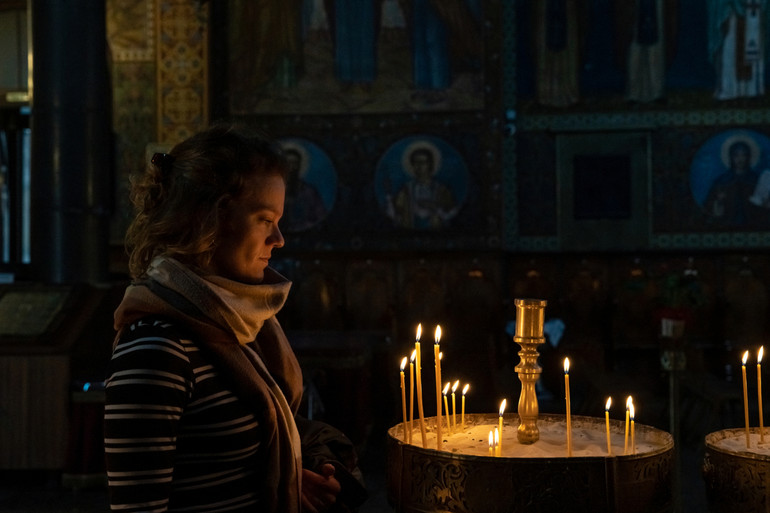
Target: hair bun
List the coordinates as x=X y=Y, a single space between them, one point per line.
x=163 y=161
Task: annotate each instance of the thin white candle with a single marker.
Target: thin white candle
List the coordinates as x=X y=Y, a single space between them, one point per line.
x=745 y=397
x=418 y=370
x=759 y=394
x=462 y=415
x=566 y=395
x=454 y=406
x=437 y=360
x=500 y=419
x=607 y=423
x=411 y=394
x=445 y=391
x=632 y=414
x=403 y=400
x=629 y=402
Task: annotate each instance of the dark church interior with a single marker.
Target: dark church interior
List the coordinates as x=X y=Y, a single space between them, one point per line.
x=610 y=157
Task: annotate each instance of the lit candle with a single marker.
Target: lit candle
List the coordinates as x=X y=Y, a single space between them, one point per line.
x=403 y=399
x=491 y=442
x=437 y=360
x=454 y=406
x=745 y=398
x=498 y=445
x=446 y=407
x=629 y=402
x=500 y=420
x=418 y=370
x=462 y=413
x=633 y=435
x=411 y=394
x=759 y=391
x=566 y=395
x=607 y=422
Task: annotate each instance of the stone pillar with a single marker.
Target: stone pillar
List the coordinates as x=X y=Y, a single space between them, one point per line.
x=72 y=142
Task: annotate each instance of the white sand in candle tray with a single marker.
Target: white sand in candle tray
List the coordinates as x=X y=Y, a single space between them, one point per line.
x=589 y=437
x=736 y=442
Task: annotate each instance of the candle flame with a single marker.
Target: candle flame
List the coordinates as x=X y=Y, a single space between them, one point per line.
x=745 y=357
x=629 y=402
x=454 y=387
x=419 y=332
x=497 y=437
x=441 y=355
x=403 y=363
x=446 y=388
x=438 y=334
x=414 y=356
x=465 y=388
x=631 y=411
x=491 y=438
x=759 y=355
x=566 y=366
x=502 y=407
x=609 y=403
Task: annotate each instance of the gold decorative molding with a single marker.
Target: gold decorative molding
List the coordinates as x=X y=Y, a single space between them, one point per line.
x=130 y=30
x=181 y=68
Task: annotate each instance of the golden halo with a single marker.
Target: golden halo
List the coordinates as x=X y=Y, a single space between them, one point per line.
x=748 y=140
x=300 y=148
x=420 y=145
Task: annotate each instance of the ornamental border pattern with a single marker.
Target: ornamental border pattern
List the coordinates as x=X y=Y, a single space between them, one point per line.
x=146 y=32
x=182 y=34
x=597 y=121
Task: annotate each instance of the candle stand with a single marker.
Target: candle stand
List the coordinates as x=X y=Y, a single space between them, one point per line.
x=422 y=480
x=672 y=360
x=529 y=334
x=736 y=479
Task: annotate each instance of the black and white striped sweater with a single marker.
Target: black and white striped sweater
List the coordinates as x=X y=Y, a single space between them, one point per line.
x=176 y=437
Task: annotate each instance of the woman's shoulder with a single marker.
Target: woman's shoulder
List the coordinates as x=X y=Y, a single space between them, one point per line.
x=152 y=325
x=154 y=342
x=158 y=329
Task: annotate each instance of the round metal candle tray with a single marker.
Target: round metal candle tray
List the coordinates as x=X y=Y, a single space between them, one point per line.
x=427 y=480
x=736 y=480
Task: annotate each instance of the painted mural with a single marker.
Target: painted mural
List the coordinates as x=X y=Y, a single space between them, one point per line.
x=353 y=56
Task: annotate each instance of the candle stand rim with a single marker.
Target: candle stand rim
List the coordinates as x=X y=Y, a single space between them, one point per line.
x=667 y=440
x=711 y=439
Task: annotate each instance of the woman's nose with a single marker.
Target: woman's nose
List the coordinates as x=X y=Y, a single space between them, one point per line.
x=277 y=237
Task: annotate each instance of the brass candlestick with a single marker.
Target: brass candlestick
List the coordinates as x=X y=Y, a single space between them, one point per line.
x=529 y=335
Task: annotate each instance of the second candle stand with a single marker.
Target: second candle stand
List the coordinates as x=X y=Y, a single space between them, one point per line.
x=529 y=334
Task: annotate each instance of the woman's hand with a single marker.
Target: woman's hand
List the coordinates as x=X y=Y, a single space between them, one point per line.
x=319 y=490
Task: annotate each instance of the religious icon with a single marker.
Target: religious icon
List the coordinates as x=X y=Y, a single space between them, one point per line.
x=737 y=47
x=730 y=179
x=311 y=186
x=421 y=183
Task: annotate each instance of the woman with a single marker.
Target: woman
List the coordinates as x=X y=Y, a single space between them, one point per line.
x=203 y=386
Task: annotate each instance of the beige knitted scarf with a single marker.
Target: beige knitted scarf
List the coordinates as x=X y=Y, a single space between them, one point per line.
x=235 y=324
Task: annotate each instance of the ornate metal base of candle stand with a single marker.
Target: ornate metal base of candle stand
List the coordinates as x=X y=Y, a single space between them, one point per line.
x=421 y=480
x=529 y=334
x=737 y=481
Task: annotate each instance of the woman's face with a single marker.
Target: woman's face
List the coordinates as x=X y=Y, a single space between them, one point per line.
x=249 y=230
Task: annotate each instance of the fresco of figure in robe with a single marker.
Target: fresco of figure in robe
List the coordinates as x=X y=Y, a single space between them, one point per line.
x=648 y=47
x=737 y=46
x=557 y=51
x=446 y=40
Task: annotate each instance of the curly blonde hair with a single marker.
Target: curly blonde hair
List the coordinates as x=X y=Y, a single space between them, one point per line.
x=179 y=199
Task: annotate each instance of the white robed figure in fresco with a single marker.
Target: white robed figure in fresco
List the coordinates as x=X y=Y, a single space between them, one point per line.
x=737 y=46
x=648 y=46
